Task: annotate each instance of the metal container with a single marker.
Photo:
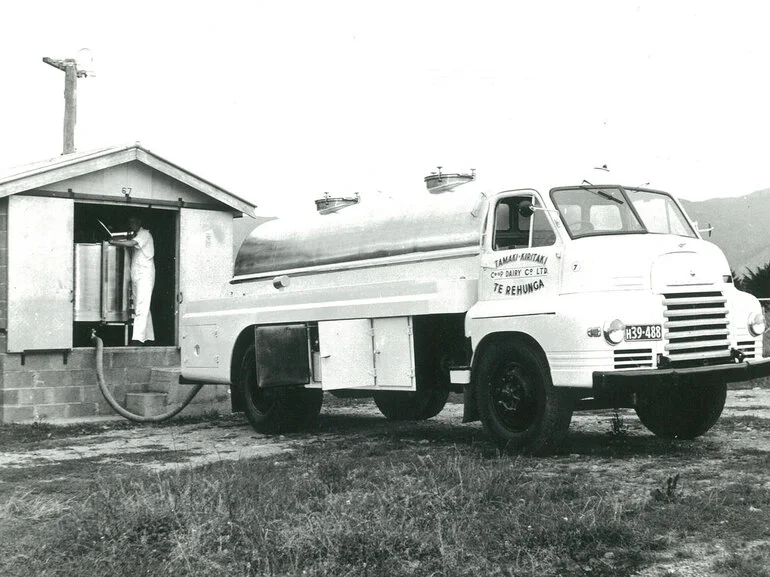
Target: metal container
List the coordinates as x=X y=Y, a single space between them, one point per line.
x=362 y=231
x=101 y=283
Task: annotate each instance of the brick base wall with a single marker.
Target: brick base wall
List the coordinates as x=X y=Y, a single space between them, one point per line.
x=45 y=387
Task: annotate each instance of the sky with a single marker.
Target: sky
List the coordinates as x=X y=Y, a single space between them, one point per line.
x=282 y=101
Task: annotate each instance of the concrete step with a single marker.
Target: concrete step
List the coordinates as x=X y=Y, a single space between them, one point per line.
x=146 y=404
x=163 y=379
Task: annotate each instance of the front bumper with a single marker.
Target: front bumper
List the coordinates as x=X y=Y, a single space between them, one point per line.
x=613 y=382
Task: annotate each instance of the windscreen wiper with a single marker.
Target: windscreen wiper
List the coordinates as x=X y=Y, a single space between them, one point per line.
x=600 y=192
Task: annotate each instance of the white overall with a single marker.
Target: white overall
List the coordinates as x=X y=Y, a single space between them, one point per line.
x=142 y=283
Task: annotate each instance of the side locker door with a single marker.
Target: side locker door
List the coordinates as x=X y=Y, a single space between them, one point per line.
x=347 y=354
x=40 y=273
x=393 y=354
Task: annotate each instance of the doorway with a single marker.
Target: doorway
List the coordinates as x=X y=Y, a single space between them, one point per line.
x=162 y=224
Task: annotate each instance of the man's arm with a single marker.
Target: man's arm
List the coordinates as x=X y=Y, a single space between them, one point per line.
x=129 y=243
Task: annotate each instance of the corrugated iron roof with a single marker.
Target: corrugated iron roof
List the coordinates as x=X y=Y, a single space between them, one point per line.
x=65 y=166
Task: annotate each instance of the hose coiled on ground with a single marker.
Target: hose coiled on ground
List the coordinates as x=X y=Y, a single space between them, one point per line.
x=99 y=352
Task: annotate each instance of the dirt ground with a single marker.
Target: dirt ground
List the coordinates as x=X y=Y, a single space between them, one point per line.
x=638 y=466
x=231 y=438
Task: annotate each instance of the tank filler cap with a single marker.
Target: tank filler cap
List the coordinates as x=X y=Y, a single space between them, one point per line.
x=438 y=182
x=329 y=204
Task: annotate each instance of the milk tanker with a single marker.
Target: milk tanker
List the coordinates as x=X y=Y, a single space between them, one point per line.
x=532 y=302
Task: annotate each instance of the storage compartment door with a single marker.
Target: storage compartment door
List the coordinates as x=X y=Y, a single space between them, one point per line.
x=347 y=354
x=40 y=273
x=202 y=350
x=393 y=358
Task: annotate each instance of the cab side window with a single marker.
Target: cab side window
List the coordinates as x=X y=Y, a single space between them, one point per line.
x=542 y=232
x=511 y=227
x=513 y=223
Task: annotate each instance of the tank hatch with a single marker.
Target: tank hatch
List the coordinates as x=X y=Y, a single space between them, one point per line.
x=438 y=182
x=329 y=204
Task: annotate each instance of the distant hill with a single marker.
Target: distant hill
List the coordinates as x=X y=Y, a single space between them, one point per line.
x=740 y=227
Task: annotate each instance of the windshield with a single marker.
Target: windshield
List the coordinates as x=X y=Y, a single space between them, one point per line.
x=599 y=210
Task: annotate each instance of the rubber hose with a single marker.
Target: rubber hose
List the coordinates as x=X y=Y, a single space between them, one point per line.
x=99 y=351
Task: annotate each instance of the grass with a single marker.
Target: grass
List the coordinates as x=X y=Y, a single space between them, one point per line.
x=377 y=506
x=340 y=516
x=367 y=498
x=752 y=565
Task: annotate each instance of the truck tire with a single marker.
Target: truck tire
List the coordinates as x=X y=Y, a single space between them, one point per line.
x=517 y=402
x=276 y=409
x=436 y=403
x=681 y=412
x=411 y=406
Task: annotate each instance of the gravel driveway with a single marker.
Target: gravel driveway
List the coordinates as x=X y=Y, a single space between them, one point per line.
x=231 y=438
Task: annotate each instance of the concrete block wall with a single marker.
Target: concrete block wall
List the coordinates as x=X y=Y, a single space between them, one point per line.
x=45 y=387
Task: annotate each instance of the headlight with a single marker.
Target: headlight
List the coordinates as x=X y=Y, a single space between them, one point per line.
x=756 y=324
x=614 y=331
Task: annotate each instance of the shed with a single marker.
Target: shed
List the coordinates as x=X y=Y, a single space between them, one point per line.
x=51 y=213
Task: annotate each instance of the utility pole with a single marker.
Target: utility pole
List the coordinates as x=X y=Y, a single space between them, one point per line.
x=71 y=75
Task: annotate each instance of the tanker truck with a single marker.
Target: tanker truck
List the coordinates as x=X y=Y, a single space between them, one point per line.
x=531 y=302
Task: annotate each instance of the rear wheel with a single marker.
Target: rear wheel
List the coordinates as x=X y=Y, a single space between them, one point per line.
x=681 y=412
x=411 y=406
x=276 y=409
x=517 y=402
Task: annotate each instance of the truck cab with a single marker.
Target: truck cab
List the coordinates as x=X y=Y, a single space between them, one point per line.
x=598 y=297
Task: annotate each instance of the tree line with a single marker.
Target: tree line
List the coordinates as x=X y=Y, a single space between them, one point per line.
x=756 y=282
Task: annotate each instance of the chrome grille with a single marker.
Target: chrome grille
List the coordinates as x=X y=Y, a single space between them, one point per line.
x=696 y=326
x=748 y=348
x=633 y=358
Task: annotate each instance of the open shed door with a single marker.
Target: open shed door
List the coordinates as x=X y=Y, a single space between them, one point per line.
x=40 y=273
x=205 y=254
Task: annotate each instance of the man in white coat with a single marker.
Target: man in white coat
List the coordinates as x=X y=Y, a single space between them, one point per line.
x=142 y=279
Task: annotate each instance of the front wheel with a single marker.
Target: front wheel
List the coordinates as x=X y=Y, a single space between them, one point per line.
x=517 y=402
x=275 y=410
x=681 y=412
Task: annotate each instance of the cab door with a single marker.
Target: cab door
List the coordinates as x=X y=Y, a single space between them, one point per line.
x=519 y=259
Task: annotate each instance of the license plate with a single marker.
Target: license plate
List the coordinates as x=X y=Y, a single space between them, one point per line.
x=644 y=332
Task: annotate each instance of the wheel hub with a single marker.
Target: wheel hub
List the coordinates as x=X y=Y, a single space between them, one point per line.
x=513 y=397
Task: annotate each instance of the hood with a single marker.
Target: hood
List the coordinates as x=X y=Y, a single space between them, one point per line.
x=641 y=261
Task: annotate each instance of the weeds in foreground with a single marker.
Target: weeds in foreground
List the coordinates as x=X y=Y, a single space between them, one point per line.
x=398 y=511
x=670 y=493
x=618 y=427
x=752 y=565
